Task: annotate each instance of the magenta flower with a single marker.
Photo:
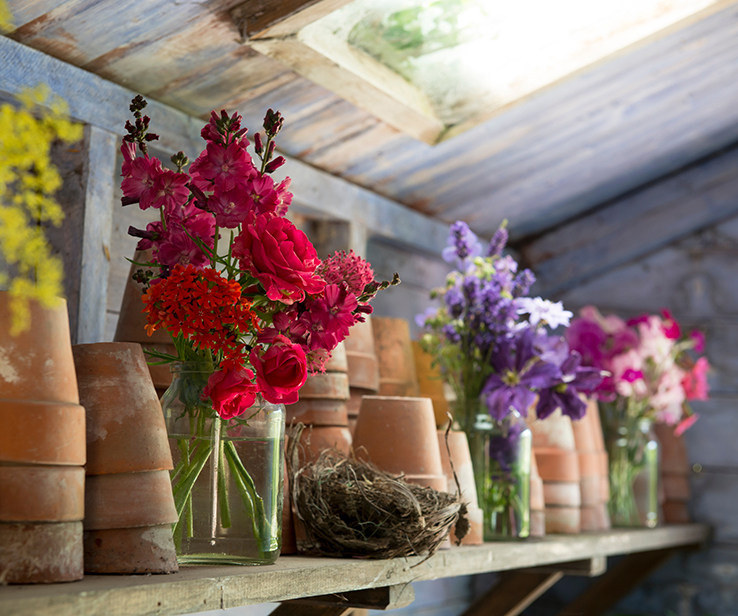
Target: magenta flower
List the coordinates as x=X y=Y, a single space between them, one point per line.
x=261 y=195
x=329 y=317
x=225 y=167
x=180 y=248
x=170 y=190
x=699 y=340
x=695 y=381
x=284 y=197
x=670 y=326
x=231 y=208
x=140 y=185
x=349 y=268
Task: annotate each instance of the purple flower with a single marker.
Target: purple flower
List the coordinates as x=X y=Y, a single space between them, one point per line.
x=498 y=243
x=587 y=338
x=519 y=373
x=565 y=395
x=462 y=244
x=523 y=283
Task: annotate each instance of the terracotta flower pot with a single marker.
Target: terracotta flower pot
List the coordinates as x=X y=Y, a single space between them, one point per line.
x=338 y=361
x=398 y=435
x=125 y=425
x=363 y=366
x=37 y=364
x=41 y=553
x=318 y=412
x=594 y=483
x=326 y=386
x=315 y=439
x=537 y=502
x=42 y=493
x=431 y=383
x=130 y=550
x=397 y=376
x=462 y=465
x=132 y=326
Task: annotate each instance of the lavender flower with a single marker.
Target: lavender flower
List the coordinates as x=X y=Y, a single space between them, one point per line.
x=462 y=244
x=498 y=243
x=523 y=283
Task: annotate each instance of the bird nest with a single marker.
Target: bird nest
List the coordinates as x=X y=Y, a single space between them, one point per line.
x=350 y=508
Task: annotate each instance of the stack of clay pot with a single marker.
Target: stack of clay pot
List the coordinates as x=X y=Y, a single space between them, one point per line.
x=675 y=471
x=132 y=326
x=398 y=434
x=537 y=501
x=322 y=408
x=458 y=447
x=430 y=382
x=397 y=375
x=42 y=450
x=558 y=467
x=363 y=367
x=129 y=508
x=593 y=468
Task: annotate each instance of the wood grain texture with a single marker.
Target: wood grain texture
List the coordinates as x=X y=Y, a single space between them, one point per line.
x=701 y=196
x=206 y=588
x=512 y=593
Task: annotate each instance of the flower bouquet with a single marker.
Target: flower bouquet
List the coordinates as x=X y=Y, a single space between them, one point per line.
x=494 y=346
x=249 y=316
x=651 y=377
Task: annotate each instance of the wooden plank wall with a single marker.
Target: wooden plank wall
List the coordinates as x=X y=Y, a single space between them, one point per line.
x=637 y=255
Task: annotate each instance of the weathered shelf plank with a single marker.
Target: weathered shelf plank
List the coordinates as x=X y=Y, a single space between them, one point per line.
x=196 y=589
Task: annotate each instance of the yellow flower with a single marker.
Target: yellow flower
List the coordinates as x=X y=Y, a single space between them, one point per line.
x=6 y=17
x=28 y=180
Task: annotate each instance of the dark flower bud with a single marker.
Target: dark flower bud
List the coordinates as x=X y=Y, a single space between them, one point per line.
x=275 y=164
x=258 y=146
x=151 y=137
x=270 y=151
x=129 y=200
x=180 y=160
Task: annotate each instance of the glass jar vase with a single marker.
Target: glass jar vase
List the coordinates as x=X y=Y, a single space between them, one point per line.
x=228 y=474
x=633 y=452
x=501 y=458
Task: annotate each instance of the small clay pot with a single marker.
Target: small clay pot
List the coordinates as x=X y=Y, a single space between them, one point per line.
x=674 y=458
x=676 y=512
x=146 y=549
x=397 y=376
x=458 y=445
x=129 y=500
x=437 y=482
x=42 y=432
x=537 y=523
x=37 y=364
x=315 y=439
x=338 y=361
x=537 y=502
x=562 y=493
x=556 y=431
x=676 y=487
x=41 y=553
x=398 y=435
x=125 y=425
x=318 y=412
x=431 y=383
x=591 y=489
x=132 y=320
x=563 y=520
x=363 y=366
x=595 y=518
x=557 y=465
x=42 y=493
x=326 y=386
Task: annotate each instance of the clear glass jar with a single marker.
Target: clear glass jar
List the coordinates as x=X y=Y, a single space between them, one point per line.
x=633 y=452
x=228 y=475
x=501 y=457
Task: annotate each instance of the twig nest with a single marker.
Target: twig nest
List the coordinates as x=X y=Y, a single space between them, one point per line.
x=350 y=508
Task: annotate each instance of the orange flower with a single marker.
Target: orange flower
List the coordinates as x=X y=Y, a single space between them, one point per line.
x=206 y=308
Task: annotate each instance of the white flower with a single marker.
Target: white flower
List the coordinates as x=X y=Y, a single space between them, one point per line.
x=543 y=311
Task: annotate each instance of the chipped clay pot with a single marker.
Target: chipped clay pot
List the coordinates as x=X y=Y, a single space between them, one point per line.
x=41 y=450
x=128 y=498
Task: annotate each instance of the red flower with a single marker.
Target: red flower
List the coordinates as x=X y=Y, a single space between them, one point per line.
x=231 y=391
x=224 y=166
x=280 y=256
x=280 y=371
x=329 y=318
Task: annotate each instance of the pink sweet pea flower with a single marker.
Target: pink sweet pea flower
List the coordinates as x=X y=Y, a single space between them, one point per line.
x=695 y=381
x=699 y=340
x=231 y=391
x=670 y=326
x=685 y=424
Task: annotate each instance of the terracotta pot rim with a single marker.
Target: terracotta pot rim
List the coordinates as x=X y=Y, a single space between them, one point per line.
x=410 y=398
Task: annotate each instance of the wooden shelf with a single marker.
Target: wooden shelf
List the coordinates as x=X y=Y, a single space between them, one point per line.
x=197 y=589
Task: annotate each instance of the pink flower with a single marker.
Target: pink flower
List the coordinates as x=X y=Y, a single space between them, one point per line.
x=224 y=166
x=231 y=207
x=128 y=149
x=349 y=268
x=631 y=375
x=588 y=339
x=284 y=197
x=695 y=381
x=669 y=397
x=170 y=190
x=670 y=326
x=280 y=371
x=638 y=320
x=329 y=317
x=231 y=391
x=141 y=181
x=280 y=256
x=699 y=340
x=260 y=192
x=285 y=324
x=180 y=248
x=685 y=424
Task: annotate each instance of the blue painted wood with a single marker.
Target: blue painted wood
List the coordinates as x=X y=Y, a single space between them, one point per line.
x=637 y=225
